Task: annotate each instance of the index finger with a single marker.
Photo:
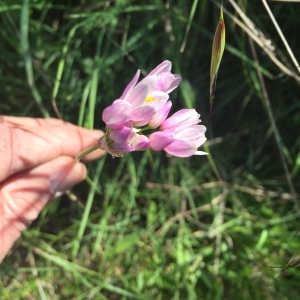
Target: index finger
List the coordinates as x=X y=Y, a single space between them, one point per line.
x=25 y=121
x=24 y=147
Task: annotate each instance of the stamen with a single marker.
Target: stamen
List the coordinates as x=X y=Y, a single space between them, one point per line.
x=150 y=99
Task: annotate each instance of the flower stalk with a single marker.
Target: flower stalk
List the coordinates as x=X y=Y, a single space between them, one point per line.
x=86 y=152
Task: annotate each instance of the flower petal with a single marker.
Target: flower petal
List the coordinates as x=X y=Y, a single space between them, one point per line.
x=165 y=66
x=131 y=85
x=123 y=147
x=141 y=143
x=142 y=115
x=200 y=141
x=137 y=96
x=181 y=148
x=167 y=82
x=156 y=99
x=200 y=153
x=151 y=82
x=120 y=135
x=117 y=114
x=160 y=115
x=184 y=118
x=161 y=139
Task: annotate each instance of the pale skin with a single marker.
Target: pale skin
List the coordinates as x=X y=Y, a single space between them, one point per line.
x=36 y=165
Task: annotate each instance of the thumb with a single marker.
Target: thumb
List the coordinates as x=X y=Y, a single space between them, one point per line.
x=25 y=194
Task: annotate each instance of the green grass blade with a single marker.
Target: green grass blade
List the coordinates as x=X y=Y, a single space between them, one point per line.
x=87 y=209
x=24 y=31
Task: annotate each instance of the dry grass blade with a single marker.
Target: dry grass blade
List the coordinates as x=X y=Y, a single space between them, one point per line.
x=281 y=35
x=293 y=263
x=217 y=200
x=278 y=139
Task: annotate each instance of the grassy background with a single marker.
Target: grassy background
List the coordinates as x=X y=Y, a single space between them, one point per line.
x=153 y=226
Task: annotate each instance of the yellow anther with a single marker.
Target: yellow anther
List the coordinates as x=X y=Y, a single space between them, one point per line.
x=150 y=99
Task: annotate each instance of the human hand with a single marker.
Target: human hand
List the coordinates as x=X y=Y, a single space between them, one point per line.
x=36 y=165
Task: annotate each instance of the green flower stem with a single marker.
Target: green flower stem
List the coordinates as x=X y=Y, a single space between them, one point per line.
x=145 y=128
x=87 y=151
x=212 y=162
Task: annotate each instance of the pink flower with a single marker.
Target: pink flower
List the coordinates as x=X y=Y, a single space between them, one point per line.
x=138 y=141
x=125 y=139
x=160 y=82
x=180 y=135
x=109 y=147
x=117 y=114
x=167 y=81
x=159 y=79
x=144 y=102
x=147 y=104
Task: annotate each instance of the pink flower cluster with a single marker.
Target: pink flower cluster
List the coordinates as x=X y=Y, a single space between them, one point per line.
x=146 y=105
